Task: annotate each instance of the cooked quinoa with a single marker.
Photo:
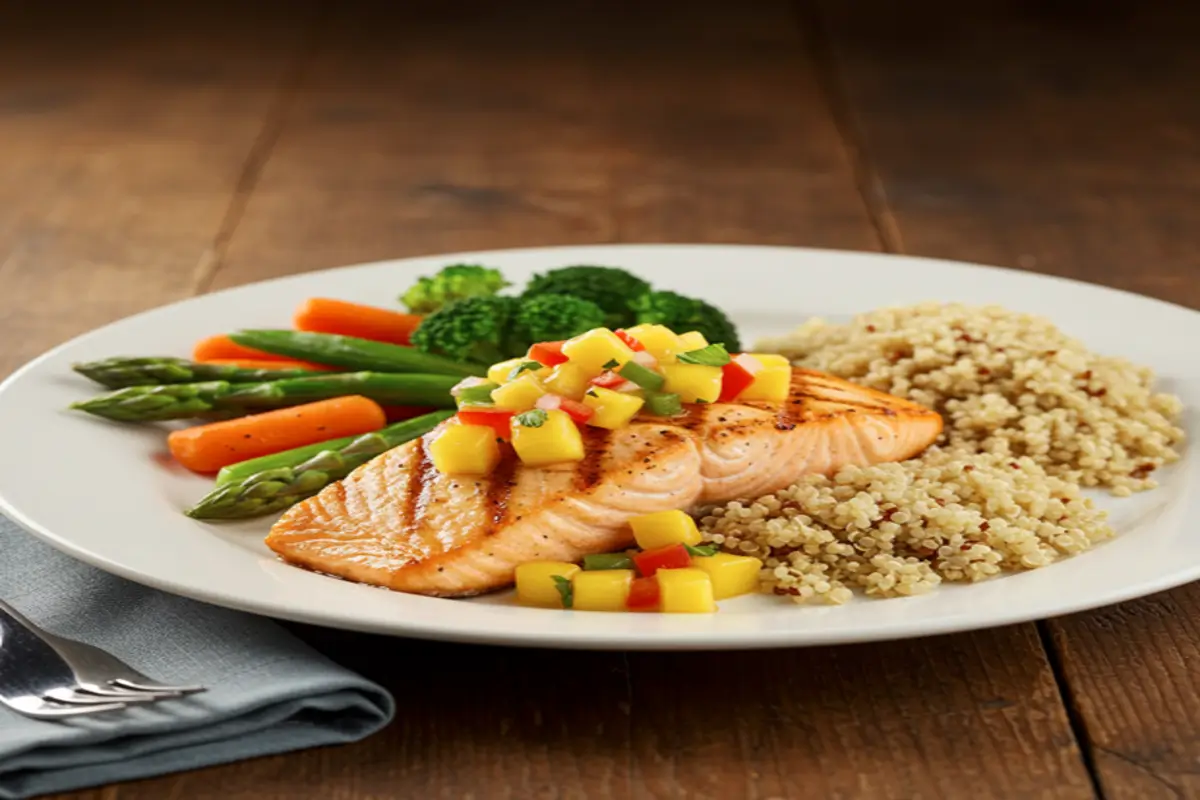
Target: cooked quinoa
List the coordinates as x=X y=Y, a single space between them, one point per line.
x=901 y=529
x=1006 y=383
x=1031 y=416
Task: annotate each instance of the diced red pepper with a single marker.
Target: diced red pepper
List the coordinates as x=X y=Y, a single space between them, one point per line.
x=734 y=380
x=644 y=595
x=632 y=343
x=576 y=411
x=548 y=353
x=499 y=421
x=672 y=556
x=607 y=380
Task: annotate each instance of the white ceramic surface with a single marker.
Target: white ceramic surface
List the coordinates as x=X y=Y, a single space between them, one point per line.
x=103 y=492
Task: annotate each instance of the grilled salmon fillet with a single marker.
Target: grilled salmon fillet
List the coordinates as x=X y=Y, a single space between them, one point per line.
x=399 y=523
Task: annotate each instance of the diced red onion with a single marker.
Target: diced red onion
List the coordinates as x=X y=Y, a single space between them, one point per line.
x=645 y=359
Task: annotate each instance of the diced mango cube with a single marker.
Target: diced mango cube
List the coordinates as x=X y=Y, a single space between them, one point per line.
x=659 y=341
x=694 y=383
x=592 y=350
x=772 y=384
x=685 y=591
x=465 y=449
x=771 y=359
x=692 y=340
x=520 y=394
x=611 y=409
x=730 y=575
x=554 y=441
x=568 y=380
x=664 y=528
x=498 y=373
x=536 y=585
x=601 y=589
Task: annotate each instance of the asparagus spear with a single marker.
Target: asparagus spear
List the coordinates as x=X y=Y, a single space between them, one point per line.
x=235 y=473
x=182 y=400
x=282 y=486
x=349 y=352
x=117 y=373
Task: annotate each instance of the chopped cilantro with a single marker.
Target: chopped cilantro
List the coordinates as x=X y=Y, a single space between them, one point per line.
x=533 y=418
x=565 y=590
x=702 y=550
x=522 y=367
x=714 y=355
x=612 y=363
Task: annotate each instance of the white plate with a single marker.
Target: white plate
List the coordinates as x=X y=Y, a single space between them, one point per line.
x=102 y=492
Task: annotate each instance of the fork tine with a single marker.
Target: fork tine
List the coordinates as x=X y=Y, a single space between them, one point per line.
x=70 y=697
x=39 y=709
x=118 y=693
x=82 y=696
x=157 y=688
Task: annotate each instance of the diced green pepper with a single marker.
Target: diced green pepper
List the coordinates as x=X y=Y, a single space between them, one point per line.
x=478 y=395
x=642 y=376
x=608 y=561
x=663 y=405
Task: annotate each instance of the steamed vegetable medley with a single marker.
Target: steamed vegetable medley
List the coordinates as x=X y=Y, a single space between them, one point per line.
x=669 y=571
x=602 y=378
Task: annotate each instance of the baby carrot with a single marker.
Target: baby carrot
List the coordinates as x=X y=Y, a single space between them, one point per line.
x=271 y=363
x=221 y=347
x=208 y=448
x=325 y=315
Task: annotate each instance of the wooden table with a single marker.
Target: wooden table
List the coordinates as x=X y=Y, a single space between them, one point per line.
x=149 y=153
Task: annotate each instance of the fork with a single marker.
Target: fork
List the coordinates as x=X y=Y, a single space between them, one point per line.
x=36 y=681
x=100 y=679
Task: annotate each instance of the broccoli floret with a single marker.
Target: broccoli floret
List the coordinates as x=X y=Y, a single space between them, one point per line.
x=682 y=314
x=455 y=282
x=478 y=329
x=554 y=317
x=610 y=288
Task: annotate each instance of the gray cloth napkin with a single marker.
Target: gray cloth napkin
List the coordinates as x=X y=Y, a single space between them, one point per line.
x=268 y=692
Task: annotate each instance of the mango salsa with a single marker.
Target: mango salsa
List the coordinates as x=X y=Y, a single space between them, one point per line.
x=553 y=441
x=772 y=383
x=465 y=449
x=536 y=585
x=611 y=409
x=659 y=341
x=685 y=591
x=694 y=383
x=602 y=589
x=664 y=528
x=520 y=394
x=592 y=350
x=692 y=340
x=568 y=380
x=730 y=575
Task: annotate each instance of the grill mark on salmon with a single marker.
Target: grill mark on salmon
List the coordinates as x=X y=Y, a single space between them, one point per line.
x=399 y=523
x=417 y=497
x=500 y=488
x=588 y=472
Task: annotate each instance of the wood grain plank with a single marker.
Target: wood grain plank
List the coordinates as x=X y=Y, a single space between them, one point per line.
x=435 y=129
x=427 y=129
x=123 y=133
x=1068 y=143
